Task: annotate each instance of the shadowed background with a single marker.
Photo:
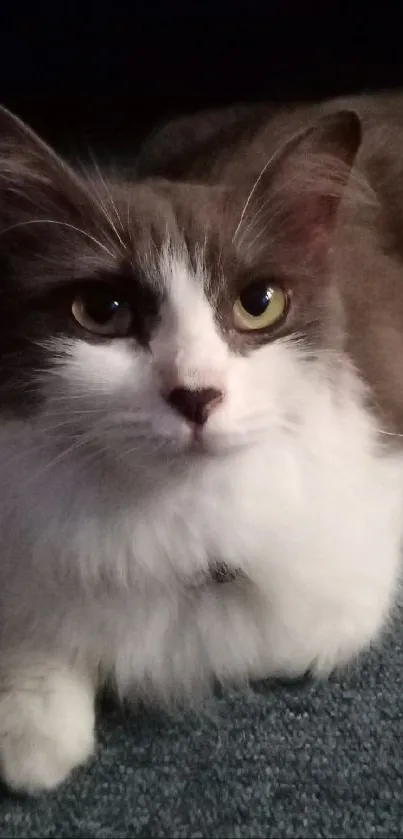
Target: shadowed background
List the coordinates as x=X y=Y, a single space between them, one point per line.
x=298 y=760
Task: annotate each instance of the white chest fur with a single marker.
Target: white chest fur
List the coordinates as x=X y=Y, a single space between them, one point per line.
x=312 y=519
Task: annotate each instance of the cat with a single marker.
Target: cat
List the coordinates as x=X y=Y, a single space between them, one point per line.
x=201 y=396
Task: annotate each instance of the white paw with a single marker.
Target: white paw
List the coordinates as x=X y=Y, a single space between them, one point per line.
x=46 y=727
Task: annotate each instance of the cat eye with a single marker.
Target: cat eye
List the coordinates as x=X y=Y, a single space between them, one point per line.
x=103 y=312
x=260 y=305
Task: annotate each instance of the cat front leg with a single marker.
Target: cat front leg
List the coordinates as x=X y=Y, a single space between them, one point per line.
x=46 y=722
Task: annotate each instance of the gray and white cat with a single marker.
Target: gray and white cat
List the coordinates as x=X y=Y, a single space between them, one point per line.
x=201 y=397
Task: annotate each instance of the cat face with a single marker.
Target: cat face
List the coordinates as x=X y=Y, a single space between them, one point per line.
x=143 y=322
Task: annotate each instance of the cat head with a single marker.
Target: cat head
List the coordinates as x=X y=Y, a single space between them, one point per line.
x=150 y=320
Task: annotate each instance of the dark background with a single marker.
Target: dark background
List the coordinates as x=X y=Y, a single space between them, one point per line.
x=96 y=74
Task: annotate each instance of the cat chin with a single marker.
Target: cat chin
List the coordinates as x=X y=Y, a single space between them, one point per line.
x=204 y=442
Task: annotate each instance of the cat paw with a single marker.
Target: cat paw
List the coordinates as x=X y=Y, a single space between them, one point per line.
x=46 y=728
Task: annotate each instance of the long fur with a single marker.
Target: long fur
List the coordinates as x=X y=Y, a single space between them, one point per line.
x=110 y=524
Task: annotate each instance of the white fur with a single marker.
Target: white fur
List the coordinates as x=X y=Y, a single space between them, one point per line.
x=46 y=725
x=109 y=523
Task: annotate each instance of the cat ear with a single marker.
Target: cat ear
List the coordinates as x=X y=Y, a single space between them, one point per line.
x=33 y=179
x=297 y=194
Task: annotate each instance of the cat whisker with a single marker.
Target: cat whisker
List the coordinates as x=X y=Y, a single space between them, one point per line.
x=61 y=456
x=252 y=192
x=74 y=412
x=65 y=224
x=103 y=426
x=128 y=215
x=102 y=205
x=387 y=433
x=277 y=203
x=311 y=177
x=157 y=447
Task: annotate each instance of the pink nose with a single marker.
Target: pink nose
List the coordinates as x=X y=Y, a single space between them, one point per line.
x=195 y=405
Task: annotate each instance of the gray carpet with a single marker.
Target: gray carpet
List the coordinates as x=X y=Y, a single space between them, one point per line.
x=297 y=760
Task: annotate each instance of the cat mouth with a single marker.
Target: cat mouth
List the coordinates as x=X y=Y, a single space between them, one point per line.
x=197 y=443
x=204 y=445
x=201 y=443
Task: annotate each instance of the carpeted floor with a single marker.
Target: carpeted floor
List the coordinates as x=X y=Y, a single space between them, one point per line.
x=300 y=760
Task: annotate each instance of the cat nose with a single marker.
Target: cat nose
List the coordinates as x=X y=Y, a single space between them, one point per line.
x=195 y=405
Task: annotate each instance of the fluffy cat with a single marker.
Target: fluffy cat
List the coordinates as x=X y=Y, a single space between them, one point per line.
x=201 y=396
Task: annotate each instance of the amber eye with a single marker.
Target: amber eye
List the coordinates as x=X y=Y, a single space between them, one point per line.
x=103 y=312
x=260 y=305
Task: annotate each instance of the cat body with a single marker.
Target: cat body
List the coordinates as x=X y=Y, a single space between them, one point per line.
x=201 y=402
